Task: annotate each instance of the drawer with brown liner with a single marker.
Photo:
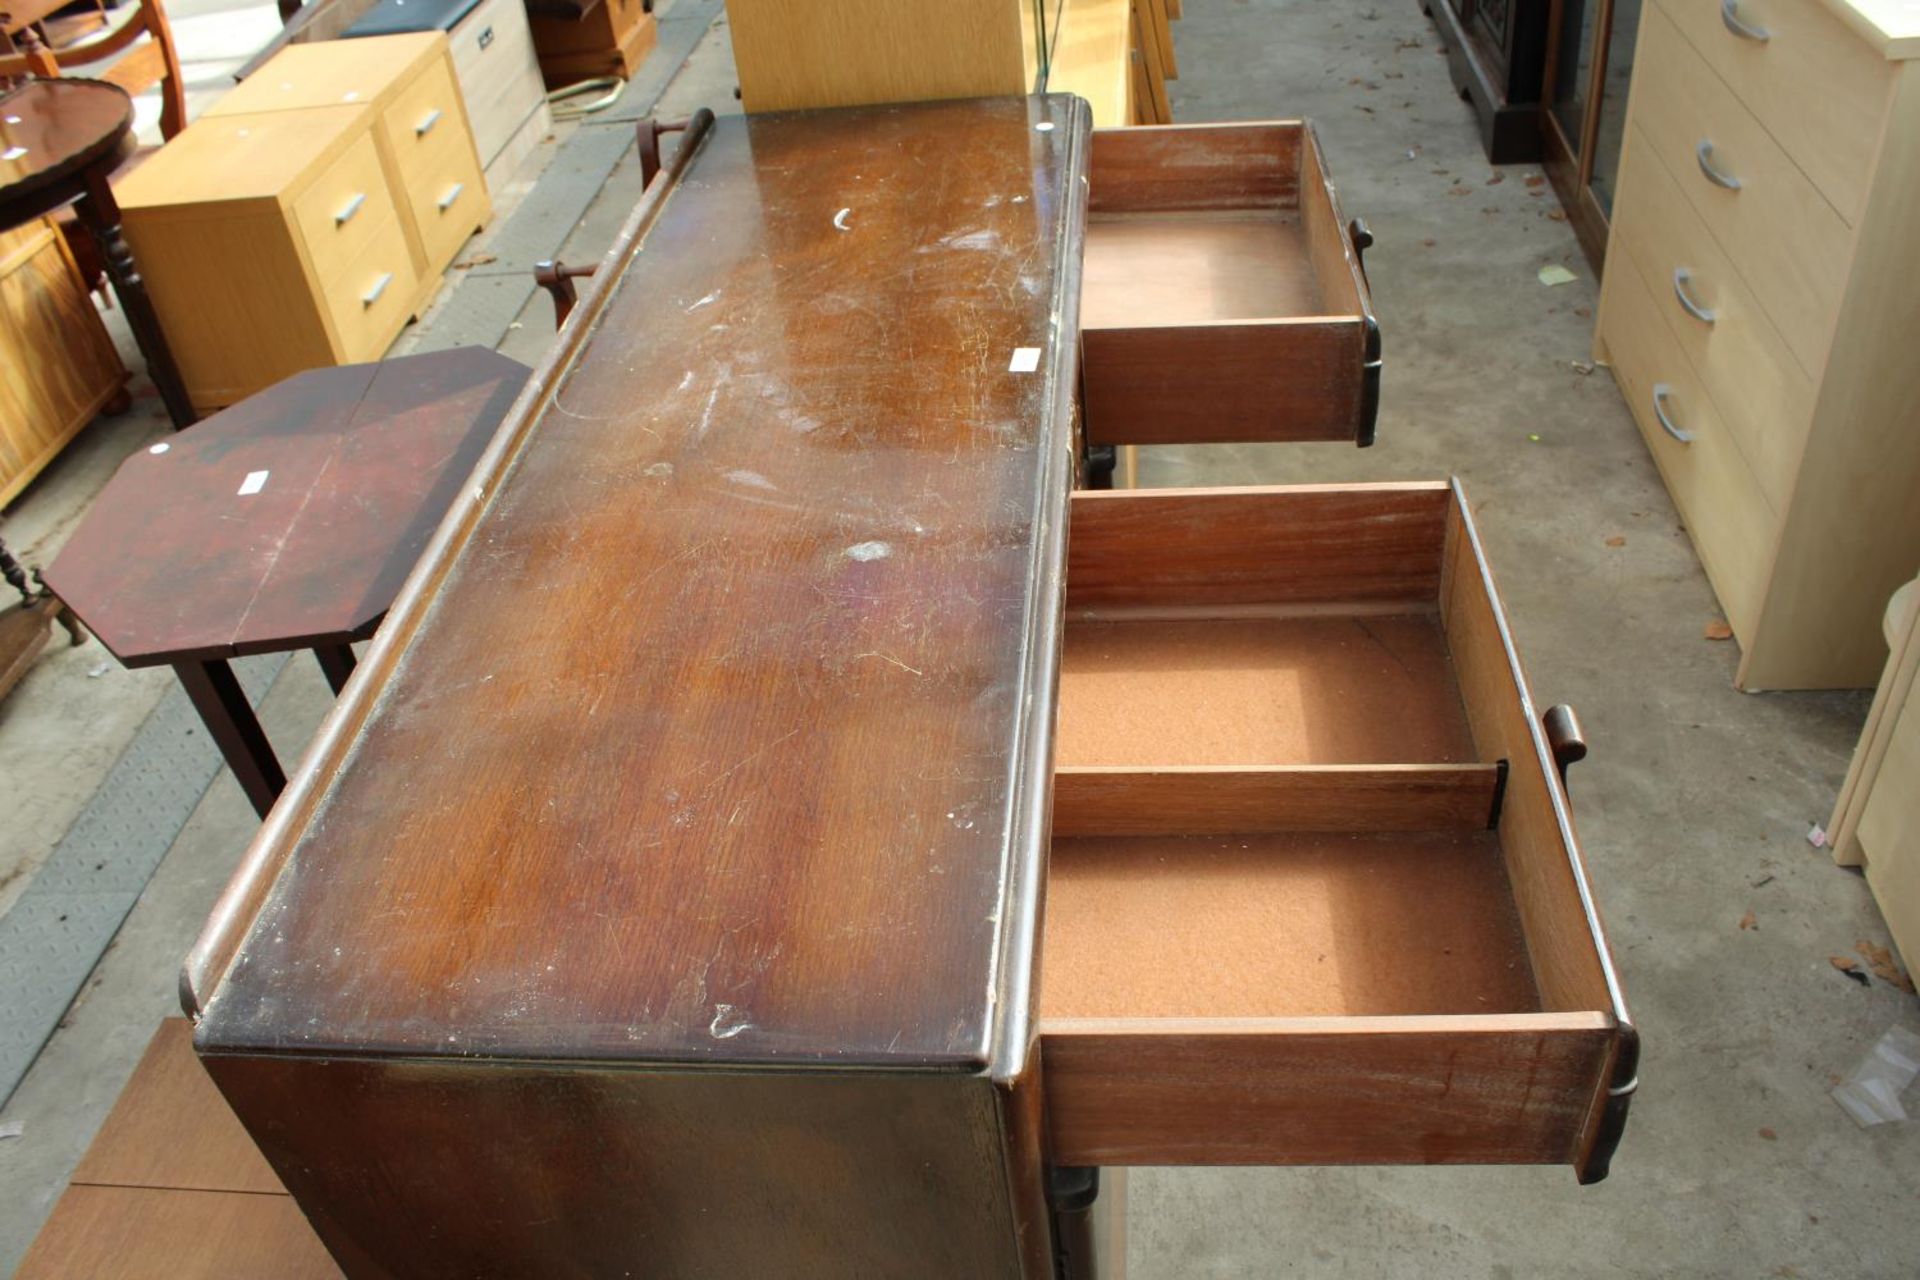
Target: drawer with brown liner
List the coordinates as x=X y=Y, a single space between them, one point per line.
x=1314 y=893
x=1223 y=297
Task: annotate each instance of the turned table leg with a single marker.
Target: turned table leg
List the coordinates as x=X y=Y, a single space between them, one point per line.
x=100 y=213
x=216 y=694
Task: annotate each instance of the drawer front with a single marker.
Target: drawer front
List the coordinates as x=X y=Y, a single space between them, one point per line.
x=371 y=299
x=1716 y=321
x=1820 y=90
x=494 y=63
x=1323 y=1092
x=1781 y=233
x=345 y=209
x=1732 y=526
x=426 y=128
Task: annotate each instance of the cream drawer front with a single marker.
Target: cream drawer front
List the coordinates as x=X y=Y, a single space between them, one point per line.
x=370 y=299
x=1717 y=321
x=1733 y=528
x=1820 y=90
x=1790 y=244
x=345 y=209
x=499 y=77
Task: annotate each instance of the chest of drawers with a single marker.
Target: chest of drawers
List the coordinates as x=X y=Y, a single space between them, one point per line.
x=308 y=214
x=1755 y=318
x=780 y=787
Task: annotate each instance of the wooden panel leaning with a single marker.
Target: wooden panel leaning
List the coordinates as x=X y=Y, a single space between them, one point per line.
x=1225 y=298
x=1262 y=947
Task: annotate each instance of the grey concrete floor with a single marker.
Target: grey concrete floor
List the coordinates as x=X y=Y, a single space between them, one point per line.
x=1694 y=796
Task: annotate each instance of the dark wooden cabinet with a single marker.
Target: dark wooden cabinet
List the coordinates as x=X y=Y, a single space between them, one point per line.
x=1496 y=51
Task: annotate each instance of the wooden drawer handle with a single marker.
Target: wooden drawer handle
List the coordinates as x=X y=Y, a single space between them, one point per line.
x=1661 y=393
x=1362 y=237
x=1565 y=738
x=351 y=207
x=1717 y=176
x=445 y=202
x=1730 y=14
x=372 y=295
x=426 y=124
x=1681 y=279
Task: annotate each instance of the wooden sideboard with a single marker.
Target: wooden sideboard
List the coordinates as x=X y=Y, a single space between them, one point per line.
x=1757 y=313
x=58 y=367
x=308 y=214
x=777 y=791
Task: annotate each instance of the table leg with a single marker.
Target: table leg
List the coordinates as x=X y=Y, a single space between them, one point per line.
x=337 y=661
x=100 y=214
x=223 y=705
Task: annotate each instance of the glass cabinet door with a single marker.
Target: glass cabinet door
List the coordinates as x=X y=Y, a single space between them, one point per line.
x=1610 y=131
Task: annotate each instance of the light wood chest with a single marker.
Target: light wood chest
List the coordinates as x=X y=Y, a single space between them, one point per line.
x=308 y=214
x=1757 y=313
x=57 y=365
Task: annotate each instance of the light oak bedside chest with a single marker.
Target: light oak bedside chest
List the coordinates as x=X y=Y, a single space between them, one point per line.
x=307 y=214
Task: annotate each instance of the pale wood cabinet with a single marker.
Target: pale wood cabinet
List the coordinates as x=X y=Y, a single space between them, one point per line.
x=1758 y=310
x=1876 y=824
x=58 y=367
x=308 y=214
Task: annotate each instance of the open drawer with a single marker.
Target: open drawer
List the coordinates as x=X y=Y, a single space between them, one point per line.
x=1314 y=894
x=1222 y=295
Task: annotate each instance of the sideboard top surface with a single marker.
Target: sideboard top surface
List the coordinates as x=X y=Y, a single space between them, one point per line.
x=711 y=738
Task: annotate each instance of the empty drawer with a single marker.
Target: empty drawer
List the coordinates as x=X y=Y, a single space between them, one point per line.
x=1314 y=894
x=1223 y=297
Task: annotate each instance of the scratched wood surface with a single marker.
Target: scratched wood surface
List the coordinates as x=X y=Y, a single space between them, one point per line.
x=708 y=747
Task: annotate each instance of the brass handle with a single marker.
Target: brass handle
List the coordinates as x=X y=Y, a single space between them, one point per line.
x=1717 y=176
x=1681 y=278
x=372 y=295
x=453 y=193
x=350 y=208
x=1661 y=392
x=426 y=124
x=1730 y=14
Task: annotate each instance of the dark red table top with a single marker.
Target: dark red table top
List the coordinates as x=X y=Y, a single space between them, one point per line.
x=288 y=520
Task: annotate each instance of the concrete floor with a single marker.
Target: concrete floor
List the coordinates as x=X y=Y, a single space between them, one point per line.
x=1693 y=806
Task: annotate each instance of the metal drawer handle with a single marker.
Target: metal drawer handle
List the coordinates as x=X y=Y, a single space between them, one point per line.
x=372 y=295
x=1730 y=14
x=453 y=193
x=426 y=124
x=486 y=37
x=1718 y=177
x=1660 y=393
x=1681 y=279
x=350 y=208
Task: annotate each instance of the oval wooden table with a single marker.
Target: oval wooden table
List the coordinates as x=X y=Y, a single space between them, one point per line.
x=60 y=142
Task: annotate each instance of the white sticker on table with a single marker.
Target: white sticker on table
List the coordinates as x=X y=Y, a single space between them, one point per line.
x=1025 y=360
x=254 y=483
